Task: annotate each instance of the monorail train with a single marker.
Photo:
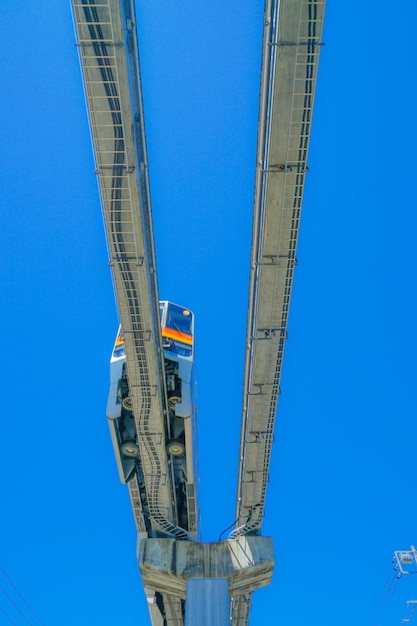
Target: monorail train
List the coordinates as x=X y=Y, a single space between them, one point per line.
x=177 y=328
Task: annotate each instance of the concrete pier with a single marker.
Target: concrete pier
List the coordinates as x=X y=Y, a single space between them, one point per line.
x=207 y=602
x=184 y=569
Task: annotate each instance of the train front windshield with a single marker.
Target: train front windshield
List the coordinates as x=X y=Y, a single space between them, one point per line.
x=179 y=319
x=178 y=330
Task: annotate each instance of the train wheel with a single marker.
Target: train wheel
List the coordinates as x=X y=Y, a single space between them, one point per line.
x=127 y=403
x=173 y=400
x=130 y=448
x=175 y=447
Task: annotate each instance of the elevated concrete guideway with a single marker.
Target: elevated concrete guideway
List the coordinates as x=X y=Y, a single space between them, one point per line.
x=120 y=154
x=108 y=46
x=291 y=49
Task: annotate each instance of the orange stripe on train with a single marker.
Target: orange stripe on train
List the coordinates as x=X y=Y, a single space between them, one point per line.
x=176 y=334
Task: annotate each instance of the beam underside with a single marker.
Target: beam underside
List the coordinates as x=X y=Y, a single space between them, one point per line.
x=291 y=49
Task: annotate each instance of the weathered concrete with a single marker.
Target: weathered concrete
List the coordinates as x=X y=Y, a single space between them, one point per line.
x=167 y=564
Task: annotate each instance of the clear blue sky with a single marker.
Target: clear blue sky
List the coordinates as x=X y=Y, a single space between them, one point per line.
x=342 y=492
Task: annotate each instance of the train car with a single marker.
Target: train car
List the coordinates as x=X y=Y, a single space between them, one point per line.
x=119 y=413
x=177 y=328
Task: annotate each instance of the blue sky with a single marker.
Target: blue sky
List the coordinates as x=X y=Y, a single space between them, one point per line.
x=342 y=492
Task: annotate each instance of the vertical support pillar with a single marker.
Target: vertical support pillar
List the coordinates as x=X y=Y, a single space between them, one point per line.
x=206 y=575
x=207 y=602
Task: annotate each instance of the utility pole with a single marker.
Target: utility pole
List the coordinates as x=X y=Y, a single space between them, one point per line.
x=414 y=607
x=406 y=561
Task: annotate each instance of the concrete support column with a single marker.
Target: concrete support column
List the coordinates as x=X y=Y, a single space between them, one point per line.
x=205 y=575
x=207 y=602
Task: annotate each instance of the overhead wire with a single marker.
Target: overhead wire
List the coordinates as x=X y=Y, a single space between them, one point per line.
x=386 y=598
x=22 y=598
x=10 y=599
x=9 y=619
